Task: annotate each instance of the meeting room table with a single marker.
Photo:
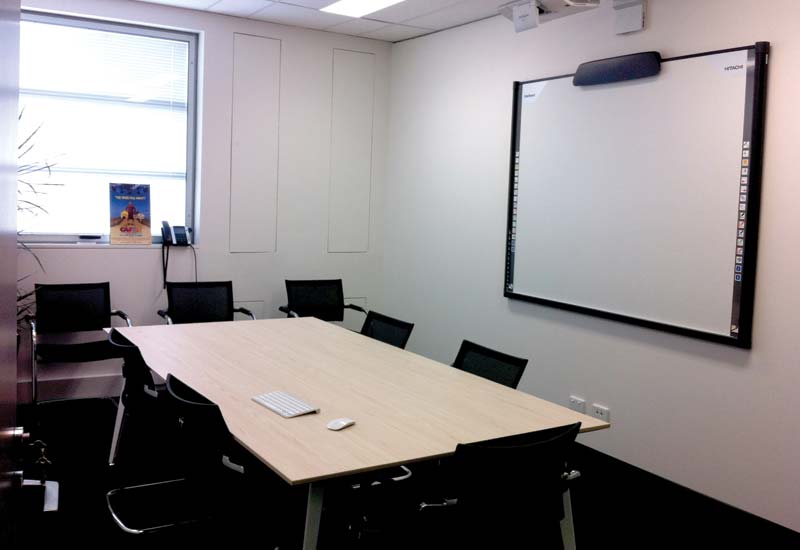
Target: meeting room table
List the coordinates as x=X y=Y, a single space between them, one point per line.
x=406 y=407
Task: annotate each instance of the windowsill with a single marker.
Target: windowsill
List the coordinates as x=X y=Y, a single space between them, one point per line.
x=95 y=246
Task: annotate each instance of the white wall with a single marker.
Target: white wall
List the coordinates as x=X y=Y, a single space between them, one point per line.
x=716 y=419
x=303 y=172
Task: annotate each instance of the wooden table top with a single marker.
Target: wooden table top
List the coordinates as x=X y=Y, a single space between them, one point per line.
x=406 y=407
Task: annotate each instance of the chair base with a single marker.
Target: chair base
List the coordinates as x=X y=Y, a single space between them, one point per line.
x=153 y=507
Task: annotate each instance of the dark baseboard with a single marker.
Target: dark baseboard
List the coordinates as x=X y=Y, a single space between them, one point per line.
x=617 y=505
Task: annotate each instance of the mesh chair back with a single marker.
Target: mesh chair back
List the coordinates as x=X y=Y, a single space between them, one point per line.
x=135 y=371
x=490 y=364
x=204 y=302
x=510 y=489
x=201 y=430
x=323 y=298
x=387 y=329
x=72 y=307
x=141 y=427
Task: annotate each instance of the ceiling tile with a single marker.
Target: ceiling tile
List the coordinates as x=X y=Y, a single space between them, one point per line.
x=240 y=8
x=393 y=33
x=356 y=26
x=465 y=11
x=315 y=4
x=410 y=9
x=417 y=16
x=300 y=17
x=191 y=4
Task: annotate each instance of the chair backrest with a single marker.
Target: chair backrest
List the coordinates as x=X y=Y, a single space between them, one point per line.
x=387 y=329
x=202 y=302
x=490 y=364
x=510 y=489
x=135 y=371
x=72 y=307
x=144 y=428
x=321 y=298
x=201 y=431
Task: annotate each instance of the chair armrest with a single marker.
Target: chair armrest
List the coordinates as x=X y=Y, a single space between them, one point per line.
x=245 y=311
x=122 y=315
x=355 y=307
x=403 y=477
x=444 y=504
x=31 y=319
x=569 y=476
x=288 y=311
x=163 y=314
x=34 y=366
x=228 y=463
x=154 y=390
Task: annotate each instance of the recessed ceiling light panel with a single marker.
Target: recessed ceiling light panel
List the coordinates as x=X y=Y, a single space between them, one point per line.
x=359 y=8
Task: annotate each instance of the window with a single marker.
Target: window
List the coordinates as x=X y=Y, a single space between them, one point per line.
x=104 y=103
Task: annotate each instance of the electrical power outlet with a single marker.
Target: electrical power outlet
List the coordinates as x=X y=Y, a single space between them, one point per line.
x=601 y=411
x=577 y=404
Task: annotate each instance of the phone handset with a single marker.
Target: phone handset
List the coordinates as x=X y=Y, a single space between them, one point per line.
x=174 y=236
x=166 y=234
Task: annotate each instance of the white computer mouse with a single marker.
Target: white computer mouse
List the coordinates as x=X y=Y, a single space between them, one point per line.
x=340 y=423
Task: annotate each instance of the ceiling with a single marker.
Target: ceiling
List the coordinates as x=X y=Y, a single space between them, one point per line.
x=402 y=21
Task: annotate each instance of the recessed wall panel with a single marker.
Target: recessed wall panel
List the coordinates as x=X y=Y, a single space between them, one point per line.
x=351 y=151
x=254 y=143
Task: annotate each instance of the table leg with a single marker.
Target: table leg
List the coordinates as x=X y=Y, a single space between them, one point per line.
x=313 y=516
x=112 y=454
x=567 y=525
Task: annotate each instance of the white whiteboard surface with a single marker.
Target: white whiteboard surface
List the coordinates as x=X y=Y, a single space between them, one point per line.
x=627 y=194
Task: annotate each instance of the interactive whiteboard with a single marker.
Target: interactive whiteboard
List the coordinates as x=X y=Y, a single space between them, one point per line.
x=637 y=200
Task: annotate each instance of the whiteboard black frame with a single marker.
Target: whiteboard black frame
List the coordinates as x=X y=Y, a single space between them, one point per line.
x=756 y=103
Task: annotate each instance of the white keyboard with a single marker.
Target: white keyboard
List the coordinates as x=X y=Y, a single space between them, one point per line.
x=286 y=405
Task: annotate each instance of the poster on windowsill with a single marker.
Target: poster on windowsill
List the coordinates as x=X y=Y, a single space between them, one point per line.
x=130 y=213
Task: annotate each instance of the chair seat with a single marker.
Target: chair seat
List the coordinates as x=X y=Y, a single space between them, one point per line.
x=76 y=353
x=57 y=381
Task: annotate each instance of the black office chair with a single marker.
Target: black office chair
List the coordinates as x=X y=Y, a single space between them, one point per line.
x=323 y=299
x=363 y=494
x=396 y=333
x=203 y=302
x=387 y=329
x=62 y=310
x=490 y=364
x=137 y=410
x=487 y=363
x=504 y=493
x=201 y=449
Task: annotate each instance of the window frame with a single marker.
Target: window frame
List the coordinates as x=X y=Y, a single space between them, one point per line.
x=192 y=39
